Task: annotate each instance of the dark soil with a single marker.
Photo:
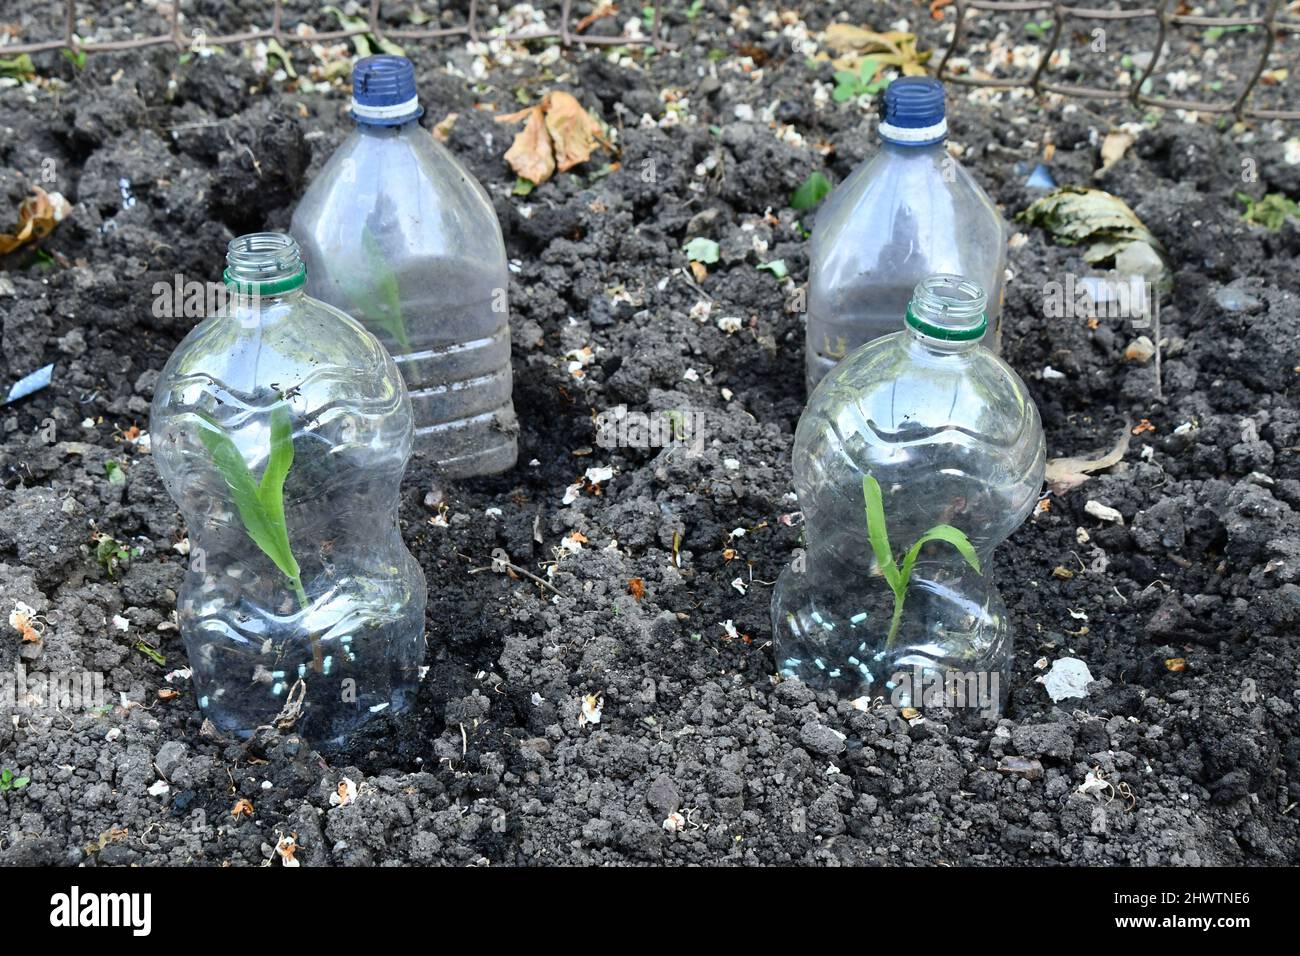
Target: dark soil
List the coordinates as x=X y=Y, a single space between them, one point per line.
x=1201 y=765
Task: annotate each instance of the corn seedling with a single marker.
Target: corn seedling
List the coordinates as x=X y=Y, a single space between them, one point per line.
x=377 y=299
x=261 y=504
x=895 y=576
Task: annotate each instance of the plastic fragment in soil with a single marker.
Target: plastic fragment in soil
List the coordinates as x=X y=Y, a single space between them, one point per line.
x=1068 y=677
x=29 y=384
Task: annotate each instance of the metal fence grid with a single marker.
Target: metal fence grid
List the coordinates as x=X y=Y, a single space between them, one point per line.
x=176 y=36
x=1164 y=13
x=1166 y=17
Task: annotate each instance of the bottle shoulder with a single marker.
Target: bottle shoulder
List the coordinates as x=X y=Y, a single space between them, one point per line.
x=894 y=196
x=891 y=392
x=402 y=184
x=303 y=347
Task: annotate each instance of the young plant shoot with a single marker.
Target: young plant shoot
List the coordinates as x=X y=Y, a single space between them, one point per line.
x=897 y=578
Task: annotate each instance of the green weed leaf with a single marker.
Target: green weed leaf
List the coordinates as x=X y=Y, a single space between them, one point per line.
x=1270 y=212
x=811 y=191
x=703 y=250
x=152 y=653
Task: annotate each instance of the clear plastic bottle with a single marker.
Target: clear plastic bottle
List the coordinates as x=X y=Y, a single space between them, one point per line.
x=281 y=428
x=950 y=437
x=909 y=212
x=395 y=232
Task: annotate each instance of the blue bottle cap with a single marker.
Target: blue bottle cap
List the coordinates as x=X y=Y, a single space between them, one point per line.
x=383 y=91
x=913 y=114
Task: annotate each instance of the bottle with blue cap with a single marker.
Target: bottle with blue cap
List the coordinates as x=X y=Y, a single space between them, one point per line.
x=915 y=457
x=397 y=233
x=908 y=212
x=281 y=428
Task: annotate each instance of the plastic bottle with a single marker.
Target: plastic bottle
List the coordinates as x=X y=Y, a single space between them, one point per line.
x=281 y=428
x=395 y=232
x=951 y=438
x=909 y=212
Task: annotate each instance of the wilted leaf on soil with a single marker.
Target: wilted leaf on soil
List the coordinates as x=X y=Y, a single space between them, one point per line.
x=442 y=131
x=1076 y=215
x=894 y=48
x=559 y=134
x=575 y=133
x=1113 y=148
x=703 y=250
x=602 y=11
x=37 y=217
x=19 y=67
x=363 y=41
x=1066 y=474
x=530 y=155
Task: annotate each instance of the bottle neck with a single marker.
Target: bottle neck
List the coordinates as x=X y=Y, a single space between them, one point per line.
x=946 y=315
x=935 y=133
x=920 y=343
x=389 y=130
x=264 y=265
x=909 y=151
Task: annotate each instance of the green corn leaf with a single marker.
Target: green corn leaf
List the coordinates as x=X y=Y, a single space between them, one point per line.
x=373 y=291
x=270 y=493
x=261 y=507
x=941 y=532
x=879 y=534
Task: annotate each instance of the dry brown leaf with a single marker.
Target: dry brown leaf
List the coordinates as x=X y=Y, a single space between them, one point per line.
x=559 y=134
x=530 y=155
x=1113 y=148
x=636 y=588
x=37 y=217
x=894 y=48
x=1066 y=474
x=243 y=808
x=442 y=131
x=575 y=133
x=602 y=11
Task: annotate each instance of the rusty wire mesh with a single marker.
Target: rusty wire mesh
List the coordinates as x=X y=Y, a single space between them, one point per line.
x=176 y=37
x=1164 y=12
